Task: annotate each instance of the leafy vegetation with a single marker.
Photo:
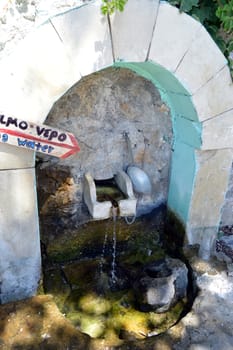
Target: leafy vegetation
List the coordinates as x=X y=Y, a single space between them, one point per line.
x=217 y=18
x=110 y=6
x=215 y=15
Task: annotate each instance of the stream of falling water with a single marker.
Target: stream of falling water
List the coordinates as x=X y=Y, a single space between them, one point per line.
x=103 y=252
x=114 y=242
x=114 y=245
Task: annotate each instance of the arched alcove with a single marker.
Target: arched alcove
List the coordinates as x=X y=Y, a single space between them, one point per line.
x=158 y=42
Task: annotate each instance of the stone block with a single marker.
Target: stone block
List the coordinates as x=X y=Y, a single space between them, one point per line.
x=210 y=187
x=196 y=68
x=85 y=35
x=37 y=73
x=208 y=196
x=132 y=30
x=217 y=132
x=12 y=157
x=19 y=235
x=173 y=35
x=210 y=100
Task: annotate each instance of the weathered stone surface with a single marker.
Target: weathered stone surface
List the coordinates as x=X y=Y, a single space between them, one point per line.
x=20 y=245
x=134 y=25
x=32 y=76
x=196 y=68
x=206 y=203
x=217 y=132
x=85 y=35
x=210 y=101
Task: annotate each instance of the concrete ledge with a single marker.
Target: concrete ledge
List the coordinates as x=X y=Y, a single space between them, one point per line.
x=132 y=30
x=173 y=35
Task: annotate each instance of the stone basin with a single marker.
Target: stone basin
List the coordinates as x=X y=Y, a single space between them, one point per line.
x=161 y=285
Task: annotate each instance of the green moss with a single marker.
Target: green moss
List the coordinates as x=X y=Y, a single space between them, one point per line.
x=159 y=323
x=82 y=274
x=141 y=250
x=88 y=240
x=112 y=314
x=54 y=284
x=108 y=193
x=94 y=304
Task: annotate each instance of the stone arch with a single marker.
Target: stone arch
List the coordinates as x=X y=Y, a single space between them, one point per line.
x=155 y=40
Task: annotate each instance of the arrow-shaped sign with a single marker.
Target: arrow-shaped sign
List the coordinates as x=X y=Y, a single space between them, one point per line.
x=38 y=138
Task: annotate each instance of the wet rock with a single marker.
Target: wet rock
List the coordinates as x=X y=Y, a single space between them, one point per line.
x=161 y=284
x=224 y=248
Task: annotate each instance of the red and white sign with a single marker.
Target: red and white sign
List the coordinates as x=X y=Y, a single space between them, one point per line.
x=38 y=138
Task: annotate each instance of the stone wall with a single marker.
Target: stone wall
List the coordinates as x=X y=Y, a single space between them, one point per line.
x=99 y=110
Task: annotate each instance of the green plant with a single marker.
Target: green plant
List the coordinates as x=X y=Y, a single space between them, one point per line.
x=108 y=7
x=217 y=17
x=225 y=14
